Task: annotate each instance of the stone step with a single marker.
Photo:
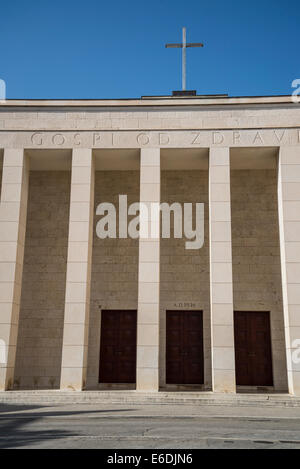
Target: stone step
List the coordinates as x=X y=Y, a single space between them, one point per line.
x=134 y=397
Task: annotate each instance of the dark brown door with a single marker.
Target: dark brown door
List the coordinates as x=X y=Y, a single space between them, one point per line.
x=253 y=354
x=184 y=347
x=118 y=347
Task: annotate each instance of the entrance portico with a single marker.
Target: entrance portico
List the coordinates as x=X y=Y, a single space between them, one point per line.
x=58 y=279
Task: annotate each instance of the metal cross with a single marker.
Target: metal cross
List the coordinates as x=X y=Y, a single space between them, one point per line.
x=183 y=46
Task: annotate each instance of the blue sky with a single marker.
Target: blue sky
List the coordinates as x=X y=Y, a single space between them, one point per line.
x=115 y=49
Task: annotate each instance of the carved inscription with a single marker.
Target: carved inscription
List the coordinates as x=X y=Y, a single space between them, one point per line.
x=136 y=139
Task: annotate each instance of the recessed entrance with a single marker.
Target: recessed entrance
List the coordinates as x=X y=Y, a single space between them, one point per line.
x=118 y=347
x=184 y=347
x=253 y=354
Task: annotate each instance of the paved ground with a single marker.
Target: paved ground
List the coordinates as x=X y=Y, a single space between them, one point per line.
x=147 y=426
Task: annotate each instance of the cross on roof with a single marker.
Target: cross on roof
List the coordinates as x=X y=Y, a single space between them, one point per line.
x=183 y=46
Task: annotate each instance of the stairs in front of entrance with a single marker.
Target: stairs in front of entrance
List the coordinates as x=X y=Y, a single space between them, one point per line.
x=54 y=397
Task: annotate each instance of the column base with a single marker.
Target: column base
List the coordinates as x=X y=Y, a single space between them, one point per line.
x=6 y=379
x=72 y=379
x=147 y=380
x=224 y=381
x=294 y=383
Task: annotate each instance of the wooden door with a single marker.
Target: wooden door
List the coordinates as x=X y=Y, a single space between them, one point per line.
x=184 y=347
x=118 y=347
x=253 y=355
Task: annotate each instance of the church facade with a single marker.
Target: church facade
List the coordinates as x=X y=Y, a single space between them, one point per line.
x=83 y=310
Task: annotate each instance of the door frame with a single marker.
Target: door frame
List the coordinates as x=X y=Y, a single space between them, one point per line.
x=116 y=385
x=258 y=387
x=180 y=386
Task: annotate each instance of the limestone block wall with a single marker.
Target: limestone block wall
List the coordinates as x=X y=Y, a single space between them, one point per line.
x=114 y=282
x=256 y=255
x=39 y=349
x=185 y=273
x=202 y=117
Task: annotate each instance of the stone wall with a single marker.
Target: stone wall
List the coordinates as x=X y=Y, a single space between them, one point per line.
x=201 y=117
x=39 y=349
x=114 y=265
x=256 y=255
x=185 y=273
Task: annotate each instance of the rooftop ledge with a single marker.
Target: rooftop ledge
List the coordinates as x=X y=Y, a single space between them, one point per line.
x=148 y=101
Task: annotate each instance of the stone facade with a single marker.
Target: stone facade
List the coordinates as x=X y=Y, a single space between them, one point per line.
x=184 y=279
x=39 y=348
x=114 y=263
x=60 y=159
x=256 y=255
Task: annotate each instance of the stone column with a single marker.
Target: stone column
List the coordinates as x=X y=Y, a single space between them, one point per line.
x=78 y=284
x=149 y=275
x=13 y=212
x=289 y=229
x=221 y=291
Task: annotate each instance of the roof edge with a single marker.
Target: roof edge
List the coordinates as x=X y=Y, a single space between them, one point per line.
x=148 y=101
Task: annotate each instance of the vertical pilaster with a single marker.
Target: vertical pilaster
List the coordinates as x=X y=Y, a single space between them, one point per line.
x=78 y=284
x=221 y=291
x=289 y=229
x=149 y=277
x=13 y=212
